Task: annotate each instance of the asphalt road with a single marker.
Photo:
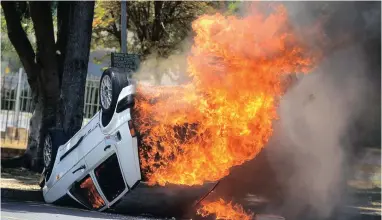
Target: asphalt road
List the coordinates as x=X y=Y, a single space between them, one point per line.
x=12 y=210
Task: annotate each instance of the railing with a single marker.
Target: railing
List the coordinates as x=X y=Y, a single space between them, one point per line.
x=16 y=107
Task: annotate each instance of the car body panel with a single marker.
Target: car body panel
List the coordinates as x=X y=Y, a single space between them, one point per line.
x=60 y=180
x=90 y=132
x=118 y=118
x=99 y=154
x=127 y=151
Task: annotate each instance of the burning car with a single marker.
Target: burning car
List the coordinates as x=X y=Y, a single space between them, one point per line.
x=185 y=138
x=83 y=166
x=99 y=165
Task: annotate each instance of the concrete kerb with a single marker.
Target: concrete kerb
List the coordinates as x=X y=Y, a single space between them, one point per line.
x=21 y=195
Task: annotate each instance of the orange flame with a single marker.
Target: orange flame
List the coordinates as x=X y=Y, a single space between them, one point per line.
x=196 y=132
x=224 y=210
x=93 y=196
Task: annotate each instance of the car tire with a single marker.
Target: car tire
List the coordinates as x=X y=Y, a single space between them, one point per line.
x=52 y=141
x=111 y=84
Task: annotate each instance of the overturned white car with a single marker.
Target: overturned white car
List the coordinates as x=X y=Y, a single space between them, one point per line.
x=89 y=167
x=99 y=166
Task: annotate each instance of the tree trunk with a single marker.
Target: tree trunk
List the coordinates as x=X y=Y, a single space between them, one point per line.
x=41 y=74
x=62 y=37
x=33 y=152
x=76 y=66
x=20 y=41
x=51 y=74
x=157 y=28
x=48 y=82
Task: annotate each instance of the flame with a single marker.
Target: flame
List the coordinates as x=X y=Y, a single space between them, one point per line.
x=92 y=193
x=224 y=210
x=196 y=132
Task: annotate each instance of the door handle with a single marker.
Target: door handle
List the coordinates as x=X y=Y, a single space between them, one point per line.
x=107 y=147
x=79 y=168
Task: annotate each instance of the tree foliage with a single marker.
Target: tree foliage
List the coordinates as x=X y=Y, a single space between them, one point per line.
x=8 y=52
x=106 y=32
x=153 y=25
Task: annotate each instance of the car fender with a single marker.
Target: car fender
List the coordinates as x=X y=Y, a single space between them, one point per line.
x=119 y=118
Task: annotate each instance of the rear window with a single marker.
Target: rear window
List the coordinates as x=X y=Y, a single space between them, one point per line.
x=110 y=178
x=86 y=192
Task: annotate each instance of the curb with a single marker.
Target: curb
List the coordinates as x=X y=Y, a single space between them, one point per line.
x=22 y=195
x=7 y=153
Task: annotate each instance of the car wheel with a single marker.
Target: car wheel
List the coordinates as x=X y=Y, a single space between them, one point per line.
x=47 y=151
x=111 y=84
x=52 y=141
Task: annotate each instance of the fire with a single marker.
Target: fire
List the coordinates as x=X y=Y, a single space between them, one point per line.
x=95 y=199
x=196 y=132
x=224 y=210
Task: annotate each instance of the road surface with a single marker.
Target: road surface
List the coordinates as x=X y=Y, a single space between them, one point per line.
x=12 y=210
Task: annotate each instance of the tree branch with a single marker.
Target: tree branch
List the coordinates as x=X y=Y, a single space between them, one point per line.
x=63 y=11
x=134 y=17
x=43 y=26
x=171 y=10
x=157 y=27
x=114 y=30
x=21 y=43
x=115 y=33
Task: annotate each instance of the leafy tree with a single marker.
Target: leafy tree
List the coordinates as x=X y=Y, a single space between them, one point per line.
x=56 y=69
x=156 y=29
x=106 y=22
x=8 y=52
x=155 y=25
x=233 y=7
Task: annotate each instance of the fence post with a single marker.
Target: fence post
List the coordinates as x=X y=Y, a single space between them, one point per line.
x=18 y=94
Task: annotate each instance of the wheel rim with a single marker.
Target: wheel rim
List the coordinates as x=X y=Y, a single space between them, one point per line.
x=106 y=90
x=47 y=150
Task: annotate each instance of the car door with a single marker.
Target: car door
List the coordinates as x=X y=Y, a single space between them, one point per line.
x=105 y=166
x=86 y=192
x=99 y=154
x=102 y=186
x=110 y=180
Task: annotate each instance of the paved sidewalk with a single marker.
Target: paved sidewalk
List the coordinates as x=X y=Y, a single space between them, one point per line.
x=20 y=184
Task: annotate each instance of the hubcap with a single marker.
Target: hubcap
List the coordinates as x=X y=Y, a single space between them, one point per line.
x=106 y=92
x=47 y=150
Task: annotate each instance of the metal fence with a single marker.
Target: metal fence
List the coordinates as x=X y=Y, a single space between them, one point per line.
x=16 y=107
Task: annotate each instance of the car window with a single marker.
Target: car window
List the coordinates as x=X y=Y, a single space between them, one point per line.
x=109 y=177
x=86 y=192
